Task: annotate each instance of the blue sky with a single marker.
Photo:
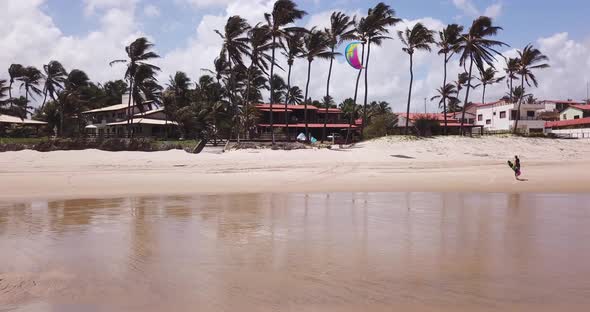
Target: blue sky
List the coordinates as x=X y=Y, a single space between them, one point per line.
x=523 y=20
x=87 y=34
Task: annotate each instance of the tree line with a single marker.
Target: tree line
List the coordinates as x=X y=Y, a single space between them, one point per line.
x=222 y=101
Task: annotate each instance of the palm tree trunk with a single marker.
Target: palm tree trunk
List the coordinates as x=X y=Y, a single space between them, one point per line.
x=26 y=98
x=306 y=100
x=129 y=113
x=287 y=102
x=272 y=70
x=519 y=103
x=445 y=96
x=10 y=93
x=44 y=100
x=483 y=96
x=410 y=92
x=327 y=96
x=358 y=77
x=350 y=123
x=511 y=90
x=366 y=89
x=466 y=95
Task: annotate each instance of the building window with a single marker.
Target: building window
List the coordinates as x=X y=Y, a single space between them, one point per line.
x=577 y=117
x=471 y=120
x=494 y=113
x=564 y=117
x=530 y=113
x=479 y=117
x=503 y=115
x=488 y=121
x=513 y=115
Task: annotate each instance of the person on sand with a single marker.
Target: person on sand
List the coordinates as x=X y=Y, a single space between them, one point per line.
x=516 y=167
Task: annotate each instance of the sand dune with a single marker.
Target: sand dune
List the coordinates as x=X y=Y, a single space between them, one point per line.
x=449 y=164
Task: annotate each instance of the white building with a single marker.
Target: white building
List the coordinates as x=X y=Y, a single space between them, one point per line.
x=501 y=116
x=111 y=121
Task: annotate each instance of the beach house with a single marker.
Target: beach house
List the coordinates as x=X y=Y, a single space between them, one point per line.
x=453 y=121
x=11 y=122
x=289 y=122
x=147 y=120
x=574 y=122
x=501 y=116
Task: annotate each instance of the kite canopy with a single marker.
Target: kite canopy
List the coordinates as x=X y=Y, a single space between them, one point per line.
x=353 y=55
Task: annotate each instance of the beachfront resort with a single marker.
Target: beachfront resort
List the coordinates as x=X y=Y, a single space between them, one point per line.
x=292 y=155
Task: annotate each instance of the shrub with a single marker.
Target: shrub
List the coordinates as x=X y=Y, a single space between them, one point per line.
x=427 y=126
x=381 y=125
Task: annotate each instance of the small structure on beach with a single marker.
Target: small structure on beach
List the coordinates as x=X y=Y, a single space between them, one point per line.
x=12 y=122
x=147 y=120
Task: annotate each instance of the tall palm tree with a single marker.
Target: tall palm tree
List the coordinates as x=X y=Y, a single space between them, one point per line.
x=279 y=88
x=511 y=71
x=531 y=59
x=316 y=46
x=15 y=71
x=293 y=48
x=235 y=45
x=448 y=44
x=138 y=53
x=488 y=78
x=71 y=95
x=261 y=44
x=284 y=12
x=341 y=29
x=448 y=92
x=476 y=47
x=418 y=38
x=375 y=28
x=31 y=81
x=55 y=76
x=180 y=85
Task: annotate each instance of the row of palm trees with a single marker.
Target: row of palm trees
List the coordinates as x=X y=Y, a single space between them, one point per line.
x=475 y=48
x=248 y=57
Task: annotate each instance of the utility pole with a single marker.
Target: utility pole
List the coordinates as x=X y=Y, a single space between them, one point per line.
x=424 y=105
x=587 y=92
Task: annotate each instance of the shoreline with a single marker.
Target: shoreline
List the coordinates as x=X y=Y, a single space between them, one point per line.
x=371 y=167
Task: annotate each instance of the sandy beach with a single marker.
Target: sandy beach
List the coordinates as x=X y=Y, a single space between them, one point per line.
x=386 y=165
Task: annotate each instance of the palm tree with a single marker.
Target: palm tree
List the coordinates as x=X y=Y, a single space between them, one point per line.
x=316 y=45
x=261 y=43
x=488 y=78
x=531 y=59
x=3 y=89
x=351 y=112
x=375 y=29
x=448 y=40
x=284 y=12
x=415 y=39
x=138 y=53
x=476 y=47
x=293 y=49
x=31 y=80
x=341 y=29
x=15 y=71
x=55 y=76
x=235 y=46
x=295 y=95
x=511 y=71
x=448 y=92
x=279 y=88
x=71 y=94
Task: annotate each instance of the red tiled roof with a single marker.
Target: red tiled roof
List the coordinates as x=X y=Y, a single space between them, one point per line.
x=330 y=110
x=567 y=123
x=311 y=125
x=583 y=107
x=282 y=106
x=275 y=110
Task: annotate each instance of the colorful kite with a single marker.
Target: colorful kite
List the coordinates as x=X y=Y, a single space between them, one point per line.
x=353 y=55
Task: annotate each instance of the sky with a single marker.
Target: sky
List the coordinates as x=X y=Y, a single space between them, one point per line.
x=88 y=34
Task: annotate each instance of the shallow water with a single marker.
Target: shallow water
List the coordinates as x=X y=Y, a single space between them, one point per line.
x=321 y=252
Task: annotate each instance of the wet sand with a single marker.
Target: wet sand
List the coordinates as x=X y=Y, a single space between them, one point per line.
x=296 y=252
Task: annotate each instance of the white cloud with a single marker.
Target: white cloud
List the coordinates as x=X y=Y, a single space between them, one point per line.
x=208 y=3
x=91 y=6
x=469 y=9
x=151 y=10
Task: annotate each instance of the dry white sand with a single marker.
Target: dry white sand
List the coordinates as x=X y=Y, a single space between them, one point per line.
x=449 y=164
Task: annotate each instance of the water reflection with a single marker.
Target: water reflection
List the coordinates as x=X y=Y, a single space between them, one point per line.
x=334 y=252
